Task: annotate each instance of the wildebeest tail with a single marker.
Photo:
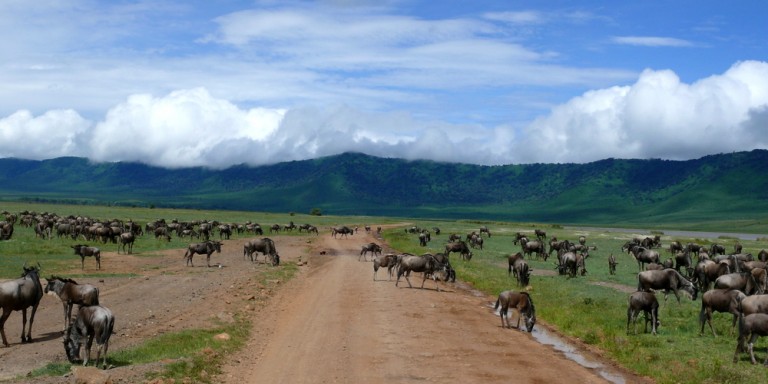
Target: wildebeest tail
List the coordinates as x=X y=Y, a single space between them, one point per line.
x=106 y=331
x=497 y=304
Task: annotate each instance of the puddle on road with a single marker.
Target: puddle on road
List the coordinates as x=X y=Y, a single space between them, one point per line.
x=569 y=351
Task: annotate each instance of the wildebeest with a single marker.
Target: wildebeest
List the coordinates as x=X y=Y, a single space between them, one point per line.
x=426 y=264
x=206 y=247
x=389 y=260
x=648 y=304
x=92 y=322
x=534 y=246
x=754 y=304
x=742 y=281
x=719 y=300
x=751 y=327
x=460 y=247
x=344 y=231
x=707 y=271
x=71 y=293
x=612 y=264
x=126 y=239
x=18 y=295
x=666 y=279
x=485 y=230
x=522 y=302
x=267 y=248
x=522 y=272
x=540 y=234
x=644 y=255
x=424 y=238
x=85 y=251
x=373 y=248
x=511 y=259
x=476 y=241
x=573 y=263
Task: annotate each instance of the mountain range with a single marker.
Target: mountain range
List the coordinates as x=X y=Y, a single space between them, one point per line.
x=730 y=186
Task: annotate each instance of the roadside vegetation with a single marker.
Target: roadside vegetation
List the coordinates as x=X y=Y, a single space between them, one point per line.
x=591 y=308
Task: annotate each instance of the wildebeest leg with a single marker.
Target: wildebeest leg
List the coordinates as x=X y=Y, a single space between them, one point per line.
x=24 y=325
x=208 y=260
x=88 y=345
x=67 y=314
x=751 y=346
x=82 y=262
x=6 y=313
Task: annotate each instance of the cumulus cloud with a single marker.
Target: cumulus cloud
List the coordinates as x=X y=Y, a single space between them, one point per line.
x=657 y=116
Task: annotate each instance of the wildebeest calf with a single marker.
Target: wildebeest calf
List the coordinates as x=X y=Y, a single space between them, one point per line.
x=648 y=304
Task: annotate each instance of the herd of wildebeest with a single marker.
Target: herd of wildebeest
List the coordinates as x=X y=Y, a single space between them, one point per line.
x=731 y=282
x=93 y=321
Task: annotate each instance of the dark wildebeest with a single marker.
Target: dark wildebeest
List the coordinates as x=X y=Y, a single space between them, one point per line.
x=71 y=293
x=666 y=279
x=424 y=237
x=476 y=241
x=648 y=304
x=460 y=247
x=373 y=248
x=206 y=248
x=540 y=234
x=707 y=271
x=485 y=230
x=344 y=231
x=520 y=301
x=751 y=327
x=675 y=247
x=84 y=251
x=522 y=272
x=612 y=264
x=719 y=300
x=511 y=259
x=267 y=248
x=126 y=239
x=644 y=255
x=443 y=259
x=92 y=322
x=573 y=263
x=389 y=260
x=426 y=264
x=274 y=228
x=18 y=295
x=683 y=263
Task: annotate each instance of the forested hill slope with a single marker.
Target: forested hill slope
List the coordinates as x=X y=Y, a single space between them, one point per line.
x=731 y=185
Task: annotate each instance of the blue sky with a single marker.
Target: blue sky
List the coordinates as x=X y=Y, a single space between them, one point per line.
x=216 y=83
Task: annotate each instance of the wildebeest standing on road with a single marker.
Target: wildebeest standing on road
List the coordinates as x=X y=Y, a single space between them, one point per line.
x=92 y=322
x=267 y=248
x=207 y=248
x=520 y=301
x=18 y=295
x=426 y=264
x=84 y=251
x=71 y=293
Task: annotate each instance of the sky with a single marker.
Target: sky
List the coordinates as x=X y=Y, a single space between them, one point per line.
x=216 y=83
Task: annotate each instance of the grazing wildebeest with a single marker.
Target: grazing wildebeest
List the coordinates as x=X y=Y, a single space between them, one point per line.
x=426 y=264
x=206 y=247
x=751 y=327
x=707 y=271
x=443 y=259
x=84 y=251
x=668 y=280
x=476 y=241
x=126 y=239
x=719 y=300
x=344 y=231
x=675 y=247
x=92 y=322
x=267 y=248
x=612 y=264
x=274 y=228
x=373 y=248
x=424 y=238
x=648 y=304
x=573 y=263
x=460 y=247
x=518 y=300
x=540 y=234
x=519 y=237
x=683 y=263
x=71 y=293
x=18 y=295
x=389 y=260
x=485 y=230
x=511 y=259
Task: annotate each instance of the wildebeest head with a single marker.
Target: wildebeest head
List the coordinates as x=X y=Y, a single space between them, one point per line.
x=72 y=344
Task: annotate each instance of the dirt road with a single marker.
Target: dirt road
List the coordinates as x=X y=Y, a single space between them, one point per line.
x=331 y=324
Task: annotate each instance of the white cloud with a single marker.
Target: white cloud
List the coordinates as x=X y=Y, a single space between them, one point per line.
x=658 y=116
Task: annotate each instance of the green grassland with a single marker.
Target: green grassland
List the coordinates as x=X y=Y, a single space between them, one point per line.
x=590 y=308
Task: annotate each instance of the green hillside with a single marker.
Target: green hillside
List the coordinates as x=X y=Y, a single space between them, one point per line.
x=618 y=192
